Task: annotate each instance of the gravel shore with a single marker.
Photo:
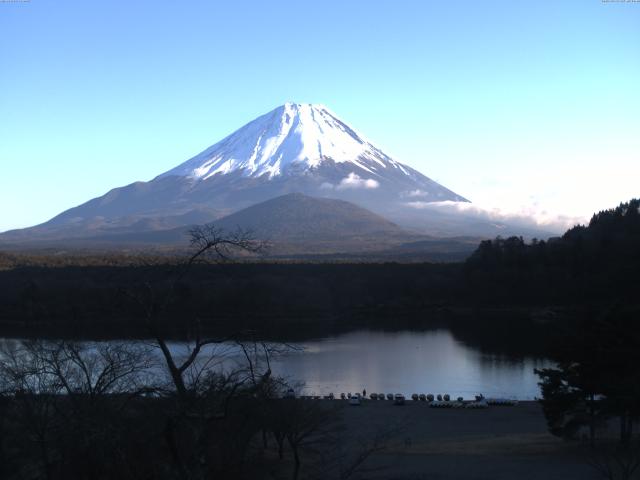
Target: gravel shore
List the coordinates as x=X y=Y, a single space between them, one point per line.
x=494 y=443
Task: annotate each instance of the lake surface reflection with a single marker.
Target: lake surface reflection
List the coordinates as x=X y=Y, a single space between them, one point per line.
x=407 y=362
x=389 y=362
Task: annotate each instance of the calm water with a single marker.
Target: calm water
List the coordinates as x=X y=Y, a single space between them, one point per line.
x=407 y=362
x=390 y=362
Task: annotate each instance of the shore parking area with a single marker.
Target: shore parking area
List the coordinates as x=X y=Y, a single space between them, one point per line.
x=499 y=442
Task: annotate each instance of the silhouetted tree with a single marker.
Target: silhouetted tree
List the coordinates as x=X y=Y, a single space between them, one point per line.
x=596 y=375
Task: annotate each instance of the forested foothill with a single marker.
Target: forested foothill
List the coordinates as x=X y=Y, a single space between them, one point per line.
x=594 y=263
x=509 y=283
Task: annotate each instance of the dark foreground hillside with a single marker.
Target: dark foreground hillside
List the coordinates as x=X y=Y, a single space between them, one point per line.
x=597 y=262
x=83 y=300
x=506 y=283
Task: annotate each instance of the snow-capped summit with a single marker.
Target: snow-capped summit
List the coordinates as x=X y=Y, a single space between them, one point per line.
x=292 y=135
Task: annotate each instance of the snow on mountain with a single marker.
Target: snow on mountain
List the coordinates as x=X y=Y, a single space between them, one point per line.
x=300 y=135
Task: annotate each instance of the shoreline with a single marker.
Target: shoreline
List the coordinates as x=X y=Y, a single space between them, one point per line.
x=498 y=443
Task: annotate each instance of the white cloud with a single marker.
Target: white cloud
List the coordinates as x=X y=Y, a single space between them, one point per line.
x=354 y=181
x=558 y=185
x=530 y=217
x=415 y=193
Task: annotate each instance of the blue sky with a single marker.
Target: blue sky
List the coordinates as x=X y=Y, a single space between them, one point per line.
x=520 y=106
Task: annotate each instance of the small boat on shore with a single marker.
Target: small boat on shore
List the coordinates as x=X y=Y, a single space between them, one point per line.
x=440 y=404
x=502 y=402
x=477 y=404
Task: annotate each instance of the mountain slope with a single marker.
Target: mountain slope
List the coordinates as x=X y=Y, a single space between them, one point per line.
x=293 y=226
x=300 y=217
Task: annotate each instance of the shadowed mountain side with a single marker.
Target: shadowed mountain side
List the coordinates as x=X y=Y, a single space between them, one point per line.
x=297 y=216
x=88 y=228
x=293 y=226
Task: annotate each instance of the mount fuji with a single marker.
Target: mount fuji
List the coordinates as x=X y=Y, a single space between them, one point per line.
x=295 y=148
x=307 y=147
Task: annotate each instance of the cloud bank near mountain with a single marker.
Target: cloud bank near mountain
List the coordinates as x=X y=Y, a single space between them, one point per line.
x=524 y=216
x=351 y=182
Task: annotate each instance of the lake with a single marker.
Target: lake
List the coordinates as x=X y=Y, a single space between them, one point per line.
x=405 y=362
x=408 y=362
